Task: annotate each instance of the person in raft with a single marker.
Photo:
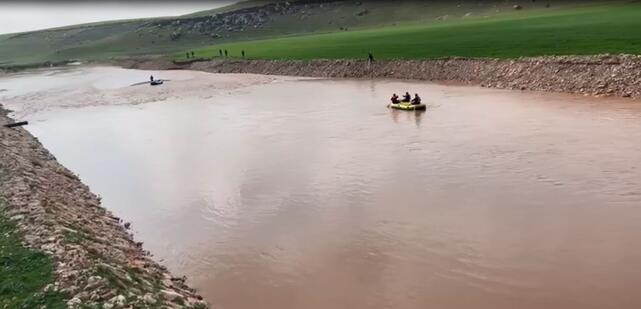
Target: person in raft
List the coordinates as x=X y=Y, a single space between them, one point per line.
x=406 y=97
x=395 y=99
x=416 y=100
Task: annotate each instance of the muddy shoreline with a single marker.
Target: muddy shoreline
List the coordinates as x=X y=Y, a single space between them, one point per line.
x=97 y=262
x=602 y=75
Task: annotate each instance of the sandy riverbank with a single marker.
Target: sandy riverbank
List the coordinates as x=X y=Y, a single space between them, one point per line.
x=604 y=75
x=95 y=257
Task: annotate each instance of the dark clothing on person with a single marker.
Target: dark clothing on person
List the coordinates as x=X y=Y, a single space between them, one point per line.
x=243 y=53
x=407 y=97
x=395 y=99
x=186 y=55
x=370 y=57
x=192 y=54
x=226 y=53
x=416 y=100
x=220 y=51
x=151 y=78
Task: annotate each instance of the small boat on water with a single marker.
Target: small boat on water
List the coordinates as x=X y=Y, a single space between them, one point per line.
x=406 y=106
x=156 y=82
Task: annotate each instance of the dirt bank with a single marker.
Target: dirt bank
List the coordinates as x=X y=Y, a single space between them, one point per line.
x=604 y=75
x=97 y=262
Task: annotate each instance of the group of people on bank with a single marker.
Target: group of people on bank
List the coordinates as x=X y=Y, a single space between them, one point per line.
x=407 y=98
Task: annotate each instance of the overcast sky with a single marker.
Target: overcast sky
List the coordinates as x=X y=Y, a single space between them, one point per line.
x=25 y=16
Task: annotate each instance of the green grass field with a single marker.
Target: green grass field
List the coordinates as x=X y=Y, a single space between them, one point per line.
x=391 y=29
x=24 y=273
x=403 y=29
x=589 y=30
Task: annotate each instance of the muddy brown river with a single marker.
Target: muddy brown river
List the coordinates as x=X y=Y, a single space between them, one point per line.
x=279 y=192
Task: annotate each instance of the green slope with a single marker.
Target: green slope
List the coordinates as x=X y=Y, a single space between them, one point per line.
x=339 y=29
x=24 y=273
x=593 y=30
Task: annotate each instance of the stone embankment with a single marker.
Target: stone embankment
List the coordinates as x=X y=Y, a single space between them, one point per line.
x=97 y=263
x=603 y=75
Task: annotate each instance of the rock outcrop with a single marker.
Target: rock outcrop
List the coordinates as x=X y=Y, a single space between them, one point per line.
x=97 y=262
x=242 y=19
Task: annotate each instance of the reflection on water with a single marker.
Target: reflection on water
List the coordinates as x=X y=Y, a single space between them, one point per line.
x=311 y=194
x=409 y=115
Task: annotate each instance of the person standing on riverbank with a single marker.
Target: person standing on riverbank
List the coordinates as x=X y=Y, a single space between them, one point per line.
x=226 y=53
x=220 y=52
x=242 y=52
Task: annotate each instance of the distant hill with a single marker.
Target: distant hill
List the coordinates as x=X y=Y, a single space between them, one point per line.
x=247 y=21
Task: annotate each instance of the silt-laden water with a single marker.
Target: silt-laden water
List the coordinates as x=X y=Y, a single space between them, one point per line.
x=284 y=193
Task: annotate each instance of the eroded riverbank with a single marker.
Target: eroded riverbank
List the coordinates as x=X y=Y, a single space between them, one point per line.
x=604 y=75
x=96 y=260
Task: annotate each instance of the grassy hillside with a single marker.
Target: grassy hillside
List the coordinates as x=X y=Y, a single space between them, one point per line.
x=167 y=35
x=589 y=30
x=339 y=29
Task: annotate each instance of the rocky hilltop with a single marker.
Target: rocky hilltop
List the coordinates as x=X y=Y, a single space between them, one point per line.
x=96 y=261
x=218 y=25
x=308 y=16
